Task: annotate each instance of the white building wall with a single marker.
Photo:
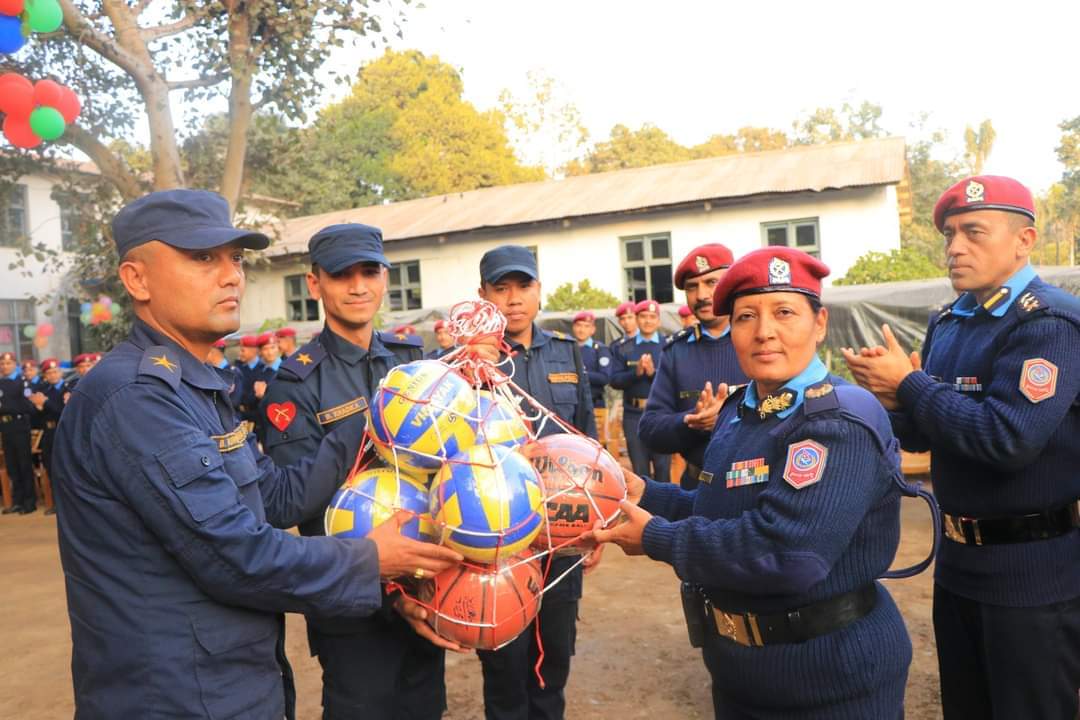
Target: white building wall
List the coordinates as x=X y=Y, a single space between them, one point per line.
x=851 y=222
x=43 y=222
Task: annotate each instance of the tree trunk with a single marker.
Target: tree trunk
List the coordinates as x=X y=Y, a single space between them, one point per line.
x=240 y=107
x=111 y=166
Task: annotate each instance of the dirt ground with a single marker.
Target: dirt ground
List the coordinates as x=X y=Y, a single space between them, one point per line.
x=633 y=659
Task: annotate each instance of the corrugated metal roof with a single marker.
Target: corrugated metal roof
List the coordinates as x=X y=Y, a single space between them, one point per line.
x=811 y=167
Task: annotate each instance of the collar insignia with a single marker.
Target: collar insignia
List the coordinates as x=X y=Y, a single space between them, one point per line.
x=772 y=404
x=163 y=361
x=997 y=298
x=975 y=192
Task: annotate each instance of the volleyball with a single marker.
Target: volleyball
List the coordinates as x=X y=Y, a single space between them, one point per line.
x=582 y=483
x=498 y=422
x=487 y=503
x=484 y=607
x=419 y=416
x=371 y=497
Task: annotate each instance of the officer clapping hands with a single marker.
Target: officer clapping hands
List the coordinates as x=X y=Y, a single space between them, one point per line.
x=881 y=369
x=707 y=407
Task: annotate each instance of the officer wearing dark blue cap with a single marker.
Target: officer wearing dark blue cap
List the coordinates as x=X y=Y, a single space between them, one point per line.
x=549 y=367
x=177 y=579
x=376 y=667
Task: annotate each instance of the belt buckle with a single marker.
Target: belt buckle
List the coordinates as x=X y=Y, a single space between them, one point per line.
x=963 y=530
x=738 y=627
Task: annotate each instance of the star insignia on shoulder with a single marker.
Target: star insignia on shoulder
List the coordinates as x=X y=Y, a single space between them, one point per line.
x=304 y=359
x=164 y=362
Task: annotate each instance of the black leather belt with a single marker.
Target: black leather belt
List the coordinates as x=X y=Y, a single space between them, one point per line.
x=637 y=403
x=1012 y=529
x=794 y=626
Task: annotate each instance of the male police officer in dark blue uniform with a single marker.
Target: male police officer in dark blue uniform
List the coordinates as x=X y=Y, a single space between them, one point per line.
x=16 y=415
x=176 y=576
x=547 y=366
x=596 y=357
x=998 y=407
x=377 y=668
x=49 y=398
x=634 y=364
x=443 y=339
x=686 y=394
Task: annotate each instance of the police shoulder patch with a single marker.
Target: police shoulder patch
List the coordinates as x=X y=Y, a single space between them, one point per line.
x=161 y=362
x=805 y=463
x=1038 y=379
x=561 y=336
x=302 y=362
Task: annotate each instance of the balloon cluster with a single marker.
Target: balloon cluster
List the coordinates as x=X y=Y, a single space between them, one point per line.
x=35 y=111
x=40 y=334
x=18 y=18
x=97 y=312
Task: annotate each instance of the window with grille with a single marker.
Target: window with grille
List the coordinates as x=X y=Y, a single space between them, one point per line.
x=299 y=305
x=403 y=286
x=798 y=234
x=15 y=316
x=647 y=263
x=14 y=223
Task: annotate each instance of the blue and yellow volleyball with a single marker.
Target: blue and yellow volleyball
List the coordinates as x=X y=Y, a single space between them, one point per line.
x=487 y=503
x=418 y=416
x=371 y=497
x=498 y=422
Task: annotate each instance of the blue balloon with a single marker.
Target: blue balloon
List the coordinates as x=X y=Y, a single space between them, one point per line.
x=85 y=308
x=11 y=37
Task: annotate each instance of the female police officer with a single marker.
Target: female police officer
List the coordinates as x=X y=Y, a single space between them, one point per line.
x=797 y=514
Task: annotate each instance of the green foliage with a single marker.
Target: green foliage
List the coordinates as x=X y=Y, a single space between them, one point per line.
x=585 y=296
x=904 y=264
x=269 y=141
x=826 y=125
x=628 y=148
x=978 y=145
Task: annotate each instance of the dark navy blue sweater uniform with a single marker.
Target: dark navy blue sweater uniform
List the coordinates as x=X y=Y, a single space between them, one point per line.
x=375 y=667
x=249 y=404
x=438 y=353
x=176 y=579
x=690 y=358
x=596 y=356
x=625 y=358
x=796 y=506
x=550 y=370
x=50 y=416
x=16 y=415
x=997 y=405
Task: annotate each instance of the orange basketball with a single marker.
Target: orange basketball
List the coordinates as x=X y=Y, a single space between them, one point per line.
x=484 y=606
x=582 y=483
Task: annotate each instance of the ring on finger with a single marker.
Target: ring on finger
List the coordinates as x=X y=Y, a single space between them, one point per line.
x=419 y=574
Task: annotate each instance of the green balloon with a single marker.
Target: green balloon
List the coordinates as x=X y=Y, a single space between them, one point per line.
x=44 y=16
x=47 y=123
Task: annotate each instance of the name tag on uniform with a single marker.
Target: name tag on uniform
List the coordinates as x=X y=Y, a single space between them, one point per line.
x=967 y=384
x=563 y=377
x=233 y=440
x=747 y=472
x=344 y=410
x=683 y=394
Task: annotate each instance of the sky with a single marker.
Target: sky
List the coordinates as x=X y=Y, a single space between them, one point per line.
x=699 y=68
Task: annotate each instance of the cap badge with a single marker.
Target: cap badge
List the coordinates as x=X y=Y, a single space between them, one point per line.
x=702 y=263
x=779 y=272
x=975 y=191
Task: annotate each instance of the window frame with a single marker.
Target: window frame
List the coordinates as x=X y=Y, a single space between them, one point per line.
x=648 y=262
x=7 y=239
x=307 y=302
x=404 y=285
x=791 y=227
x=14 y=321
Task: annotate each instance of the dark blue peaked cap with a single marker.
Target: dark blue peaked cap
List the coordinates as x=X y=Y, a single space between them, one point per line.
x=336 y=247
x=506 y=259
x=185 y=219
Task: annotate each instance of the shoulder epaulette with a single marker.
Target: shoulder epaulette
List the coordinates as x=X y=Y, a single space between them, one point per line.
x=161 y=362
x=558 y=335
x=389 y=338
x=820 y=397
x=302 y=362
x=1030 y=301
x=735 y=394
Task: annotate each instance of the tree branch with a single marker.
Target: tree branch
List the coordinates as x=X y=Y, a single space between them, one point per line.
x=157 y=32
x=84 y=32
x=112 y=166
x=140 y=6
x=199 y=82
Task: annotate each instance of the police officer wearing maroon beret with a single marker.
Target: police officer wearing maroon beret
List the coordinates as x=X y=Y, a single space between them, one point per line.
x=16 y=415
x=796 y=516
x=634 y=363
x=286 y=338
x=49 y=397
x=994 y=396
x=697 y=365
x=443 y=339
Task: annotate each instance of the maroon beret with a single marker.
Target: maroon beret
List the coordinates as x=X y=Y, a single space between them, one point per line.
x=285 y=332
x=81 y=358
x=624 y=309
x=701 y=260
x=49 y=364
x=984 y=192
x=249 y=341
x=585 y=315
x=442 y=325
x=264 y=339
x=685 y=311
x=10 y=356
x=29 y=361
x=404 y=330
x=220 y=344
x=771 y=269
x=647 y=306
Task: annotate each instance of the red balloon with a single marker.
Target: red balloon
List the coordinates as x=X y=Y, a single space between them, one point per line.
x=11 y=7
x=48 y=92
x=16 y=95
x=69 y=105
x=17 y=131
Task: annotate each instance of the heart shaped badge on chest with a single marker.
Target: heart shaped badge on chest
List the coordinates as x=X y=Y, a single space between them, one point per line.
x=281 y=414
